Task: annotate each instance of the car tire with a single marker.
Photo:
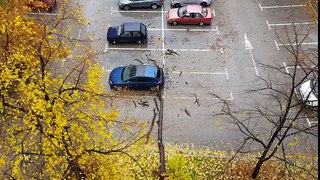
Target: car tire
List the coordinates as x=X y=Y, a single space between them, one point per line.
x=154 y=88
x=201 y=23
x=204 y=4
x=113 y=42
x=139 y=42
x=177 y=5
x=154 y=6
x=175 y=23
x=118 y=88
x=126 y=7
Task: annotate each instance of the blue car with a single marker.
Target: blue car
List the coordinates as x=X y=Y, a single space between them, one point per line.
x=128 y=32
x=137 y=77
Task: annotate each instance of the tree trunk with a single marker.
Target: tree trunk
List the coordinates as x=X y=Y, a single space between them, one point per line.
x=256 y=170
x=160 y=143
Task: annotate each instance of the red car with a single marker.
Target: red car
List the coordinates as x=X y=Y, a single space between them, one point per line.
x=190 y=14
x=42 y=5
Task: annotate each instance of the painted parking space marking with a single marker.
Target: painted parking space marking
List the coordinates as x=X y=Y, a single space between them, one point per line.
x=310 y=122
x=295 y=44
x=73 y=51
x=44 y=14
x=249 y=47
x=155 y=49
x=297 y=67
x=277 y=7
x=170 y=97
x=199 y=73
x=136 y=11
x=184 y=29
x=288 y=24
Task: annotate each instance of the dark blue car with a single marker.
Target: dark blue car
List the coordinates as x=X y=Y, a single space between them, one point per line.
x=128 y=32
x=137 y=77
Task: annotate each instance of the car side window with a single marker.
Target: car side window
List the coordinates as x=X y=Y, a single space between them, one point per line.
x=186 y=15
x=140 y=79
x=135 y=34
x=126 y=34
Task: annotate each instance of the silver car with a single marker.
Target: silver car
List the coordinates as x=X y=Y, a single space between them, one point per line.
x=179 y=3
x=129 y=4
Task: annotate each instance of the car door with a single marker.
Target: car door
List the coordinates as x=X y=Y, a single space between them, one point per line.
x=136 y=36
x=185 y=19
x=195 y=18
x=125 y=37
x=140 y=83
x=140 y=3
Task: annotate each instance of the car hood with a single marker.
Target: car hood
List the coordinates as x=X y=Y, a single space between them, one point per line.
x=173 y=13
x=115 y=75
x=112 y=32
x=305 y=91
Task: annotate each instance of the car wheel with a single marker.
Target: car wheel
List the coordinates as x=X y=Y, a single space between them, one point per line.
x=154 y=6
x=118 y=88
x=204 y=4
x=139 y=42
x=126 y=7
x=154 y=88
x=114 y=42
x=177 y=5
x=174 y=23
x=201 y=23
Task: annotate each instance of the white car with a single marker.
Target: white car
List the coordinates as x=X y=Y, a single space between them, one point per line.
x=179 y=3
x=308 y=92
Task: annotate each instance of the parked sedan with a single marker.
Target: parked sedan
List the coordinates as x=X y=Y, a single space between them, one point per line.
x=179 y=3
x=128 y=4
x=136 y=77
x=190 y=14
x=127 y=32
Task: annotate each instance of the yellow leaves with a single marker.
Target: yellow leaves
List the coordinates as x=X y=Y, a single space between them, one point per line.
x=294 y=143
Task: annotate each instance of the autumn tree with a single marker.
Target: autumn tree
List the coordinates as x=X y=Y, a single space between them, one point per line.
x=275 y=124
x=56 y=120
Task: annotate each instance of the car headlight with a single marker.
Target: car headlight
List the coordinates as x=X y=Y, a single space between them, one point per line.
x=110 y=82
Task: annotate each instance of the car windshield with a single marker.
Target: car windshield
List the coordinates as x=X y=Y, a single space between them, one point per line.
x=182 y=11
x=128 y=72
x=205 y=12
x=143 y=29
x=119 y=29
x=314 y=86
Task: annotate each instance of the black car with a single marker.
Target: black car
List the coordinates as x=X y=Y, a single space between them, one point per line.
x=128 y=32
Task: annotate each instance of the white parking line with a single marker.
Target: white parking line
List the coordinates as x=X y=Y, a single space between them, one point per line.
x=226 y=73
x=170 y=97
x=294 y=44
x=162 y=34
x=276 y=44
x=184 y=30
x=231 y=96
x=288 y=24
x=154 y=49
x=75 y=48
x=275 y=7
x=136 y=11
x=46 y=14
x=199 y=73
x=285 y=66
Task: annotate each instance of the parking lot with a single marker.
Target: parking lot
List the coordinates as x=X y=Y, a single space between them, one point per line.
x=220 y=59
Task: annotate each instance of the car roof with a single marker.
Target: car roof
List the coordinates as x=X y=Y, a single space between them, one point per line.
x=194 y=8
x=146 y=71
x=131 y=26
